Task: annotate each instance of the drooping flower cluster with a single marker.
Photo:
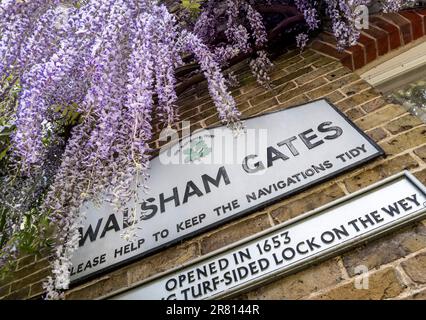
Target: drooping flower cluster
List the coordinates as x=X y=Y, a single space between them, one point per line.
x=395 y=5
x=111 y=59
x=260 y=66
x=310 y=12
x=214 y=77
x=244 y=31
x=343 y=16
x=302 y=40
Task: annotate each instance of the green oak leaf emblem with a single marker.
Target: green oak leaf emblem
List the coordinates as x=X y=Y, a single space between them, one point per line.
x=197 y=150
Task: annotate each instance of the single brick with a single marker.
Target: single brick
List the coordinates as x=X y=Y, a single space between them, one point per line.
x=31 y=268
x=422 y=15
x=381 y=37
x=300 y=284
x=305 y=202
x=294 y=75
x=419 y=295
x=307 y=52
x=354 y=88
x=290 y=94
x=335 y=96
x=36 y=289
x=197 y=116
x=391 y=29
x=99 y=287
x=380 y=171
x=304 y=63
x=405 y=141
x=377 y=134
x=421 y=153
x=355 y=113
x=415 y=268
x=288 y=59
x=323 y=61
x=261 y=107
x=211 y=121
x=20 y=294
x=380 y=117
x=416 y=23
x=336 y=74
x=374 y=105
x=248 y=95
x=269 y=93
x=386 y=249
x=345 y=57
x=286 y=63
x=249 y=82
x=162 y=261
x=402 y=124
x=25 y=261
x=300 y=99
x=234 y=232
x=383 y=284
x=370 y=48
x=286 y=56
x=421 y=176
x=328 y=37
x=4 y=290
x=403 y=24
x=317 y=73
x=332 y=86
x=35 y=277
x=358 y=99
x=358 y=55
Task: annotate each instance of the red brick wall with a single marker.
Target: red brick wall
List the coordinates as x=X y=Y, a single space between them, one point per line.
x=386 y=32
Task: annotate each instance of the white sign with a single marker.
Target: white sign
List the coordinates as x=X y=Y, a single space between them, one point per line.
x=314 y=236
x=214 y=176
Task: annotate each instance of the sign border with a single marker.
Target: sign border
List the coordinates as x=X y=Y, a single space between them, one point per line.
x=318 y=257
x=380 y=152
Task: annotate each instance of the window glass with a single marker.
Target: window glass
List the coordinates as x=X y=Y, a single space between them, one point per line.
x=412 y=96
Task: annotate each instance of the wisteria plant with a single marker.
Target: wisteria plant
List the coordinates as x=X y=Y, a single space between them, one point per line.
x=81 y=82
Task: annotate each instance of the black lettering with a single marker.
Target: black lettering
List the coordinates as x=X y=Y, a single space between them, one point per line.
x=273 y=154
x=353 y=224
x=111 y=224
x=340 y=232
x=89 y=233
x=325 y=127
x=413 y=199
x=327 y=237
x=289 y=144
x=404 y=205
x=376 y=216
x=304 y=136
x=174 y=197
x=311 y=244
x=221 y=174
x=299 y=250
x=291 y=255
x=391 y=210
x=148 y=210
x=328 y=164
x=257 y=166
x=189 y=193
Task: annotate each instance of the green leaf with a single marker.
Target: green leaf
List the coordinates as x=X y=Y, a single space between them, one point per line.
x=4 y=152
x=193 y=5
